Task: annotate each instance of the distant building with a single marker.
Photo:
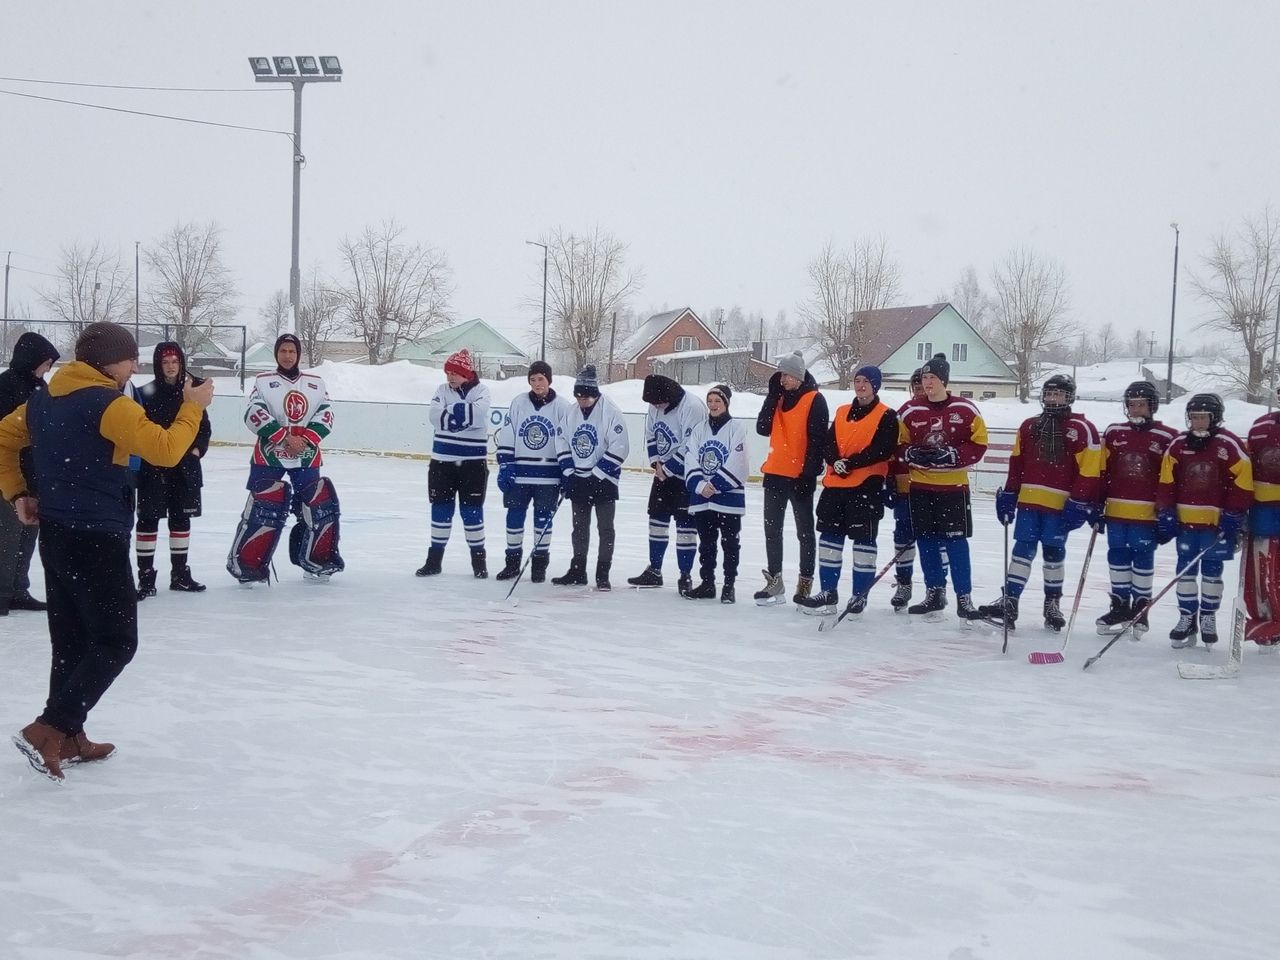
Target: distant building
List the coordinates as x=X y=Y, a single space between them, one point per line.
x=679 y=345
x=495 y=357
x=899 y=339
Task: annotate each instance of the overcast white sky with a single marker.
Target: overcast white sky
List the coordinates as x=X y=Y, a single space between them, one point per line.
x=726 y=142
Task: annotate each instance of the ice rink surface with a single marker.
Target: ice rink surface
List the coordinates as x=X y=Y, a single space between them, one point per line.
x=393 y=767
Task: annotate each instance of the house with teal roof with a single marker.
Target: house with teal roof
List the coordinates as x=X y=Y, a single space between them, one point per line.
x=495 y=357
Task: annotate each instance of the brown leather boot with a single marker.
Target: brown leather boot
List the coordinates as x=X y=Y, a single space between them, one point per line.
x=42 y=745
x=78 y=748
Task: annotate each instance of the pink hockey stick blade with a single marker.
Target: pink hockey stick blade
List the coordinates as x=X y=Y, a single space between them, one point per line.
x=1045 y=657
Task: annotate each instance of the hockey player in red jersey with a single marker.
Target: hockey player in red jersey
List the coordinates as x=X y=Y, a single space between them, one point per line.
x=1261 y=555
x=1132 y=452
x=1206 y=484
x=1051 y=489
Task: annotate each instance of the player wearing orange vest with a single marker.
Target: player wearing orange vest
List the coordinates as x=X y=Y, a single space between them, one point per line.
x=860 y=445
x=794 y=417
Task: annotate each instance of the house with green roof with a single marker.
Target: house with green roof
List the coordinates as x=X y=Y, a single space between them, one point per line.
x=495 y=357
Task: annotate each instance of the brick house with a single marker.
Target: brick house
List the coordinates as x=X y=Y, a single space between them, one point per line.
x=672 y=332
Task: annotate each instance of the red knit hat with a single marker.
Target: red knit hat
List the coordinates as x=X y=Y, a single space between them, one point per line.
x=460 y=363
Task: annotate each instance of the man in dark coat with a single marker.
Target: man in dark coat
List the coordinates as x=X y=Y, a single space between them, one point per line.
x=33 y=355
x=169 y=491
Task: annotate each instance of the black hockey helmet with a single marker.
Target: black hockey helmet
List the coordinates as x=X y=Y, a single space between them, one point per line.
x=1142 y=390
x=1209 y=403
x=1063 y=382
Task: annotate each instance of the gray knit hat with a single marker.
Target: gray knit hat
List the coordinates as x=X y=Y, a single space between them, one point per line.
x=102 y=343
x=793 y=365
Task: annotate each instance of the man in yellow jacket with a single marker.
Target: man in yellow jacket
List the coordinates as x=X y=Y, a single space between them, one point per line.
x=82 y=431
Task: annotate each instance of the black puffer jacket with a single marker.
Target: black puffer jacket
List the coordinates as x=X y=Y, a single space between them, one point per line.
x=19 y=382
x=161 y=400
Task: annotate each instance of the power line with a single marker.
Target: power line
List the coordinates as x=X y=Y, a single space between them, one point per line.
x=121 y=86
x=38 y=273
x=143 y=113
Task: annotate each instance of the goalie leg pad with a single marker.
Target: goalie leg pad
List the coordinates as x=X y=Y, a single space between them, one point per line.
x=258 y=532
x=313 y=542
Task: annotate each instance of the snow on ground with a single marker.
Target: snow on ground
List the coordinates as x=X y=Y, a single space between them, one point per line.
x=391 y=767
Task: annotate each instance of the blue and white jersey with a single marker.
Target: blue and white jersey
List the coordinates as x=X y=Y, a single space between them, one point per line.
x=596 y=441
x=718 y=456
x=460 y=419
x=667 y=433
x=531 y=438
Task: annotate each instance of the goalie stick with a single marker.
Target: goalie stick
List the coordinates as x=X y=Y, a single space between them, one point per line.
x=1058 y=656
x=1128 y=627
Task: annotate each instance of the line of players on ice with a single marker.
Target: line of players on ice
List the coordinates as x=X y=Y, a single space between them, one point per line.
x=1140 y=482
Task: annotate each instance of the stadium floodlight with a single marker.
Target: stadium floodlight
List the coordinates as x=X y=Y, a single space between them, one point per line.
x=297 y=71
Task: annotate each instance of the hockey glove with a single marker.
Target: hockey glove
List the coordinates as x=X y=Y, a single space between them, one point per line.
x=1006 y=505
x=1166 y=525
x=506 y=477
x=1230 y=524
x=889 y=493
x=1077 y=513
x=924 y=455
x=841 y=468
x=566 y=486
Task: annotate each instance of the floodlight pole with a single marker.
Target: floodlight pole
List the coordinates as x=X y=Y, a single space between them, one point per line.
x=1173 y=313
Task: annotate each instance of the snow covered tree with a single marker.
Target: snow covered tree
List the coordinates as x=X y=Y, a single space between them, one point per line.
x=273 y=316
x=1031 y=314
x=319 y=316
x=842 y=286
x=1241 y=281
x=392 y=292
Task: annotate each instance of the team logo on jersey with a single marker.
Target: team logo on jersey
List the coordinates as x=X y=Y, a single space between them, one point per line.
x=935 y=424
x=663 y=439
x=536 y=432
x=295 y=406
x=584 y=442
x=956 y=418
x=1222 y=453
x=1072 y=434
x=273 y=383
x=311 y=386
x=712 y=456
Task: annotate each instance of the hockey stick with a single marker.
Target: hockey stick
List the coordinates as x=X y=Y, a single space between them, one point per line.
x=1128 y=627
x=1004 y=620
x=822 y=625
x=1202 y=671
x=1075 y=608
x=536 y=543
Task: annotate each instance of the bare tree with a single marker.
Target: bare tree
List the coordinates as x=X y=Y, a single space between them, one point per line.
x=587 y=280
x=273 y=316
x=1107 y=341
x=975 y=304
x=190 y=291
x=1138 y=344
x=91 y=286
x=1031 y=317
x=1241 y=282
x=1085 y=352
x=842 y=286
x=392 y=292
x=319 y=316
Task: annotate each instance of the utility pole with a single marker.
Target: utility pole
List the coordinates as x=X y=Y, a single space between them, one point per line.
x=1275 y=339
x=6 y=299
x=136 y=248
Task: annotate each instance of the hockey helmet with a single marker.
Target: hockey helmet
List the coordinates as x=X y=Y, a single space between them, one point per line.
x=1142 y=390
x=1059 y=381
x=1209 y=403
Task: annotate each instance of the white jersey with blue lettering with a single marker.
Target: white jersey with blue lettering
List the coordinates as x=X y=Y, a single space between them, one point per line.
x=460 y=419
x=667 y=432
x=597 y=441
x=531 y=438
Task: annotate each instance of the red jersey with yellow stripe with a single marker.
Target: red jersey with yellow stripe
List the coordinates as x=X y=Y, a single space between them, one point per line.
x=1131 y=459
x=1201 y=483
x=953 y=422
x=1045 y=476
x=899 y=469
x=1264 y=453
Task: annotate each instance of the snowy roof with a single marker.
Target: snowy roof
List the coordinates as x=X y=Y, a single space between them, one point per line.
x=651 y=330
x=696 y=354
x=885 y=331
x=476 y=335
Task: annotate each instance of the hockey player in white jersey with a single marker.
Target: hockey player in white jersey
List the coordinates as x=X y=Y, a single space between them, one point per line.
x=289 y=413
x=459 y=469
x=530 y=445
x=597 y=446
x=715 y=477
x=673 y=415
